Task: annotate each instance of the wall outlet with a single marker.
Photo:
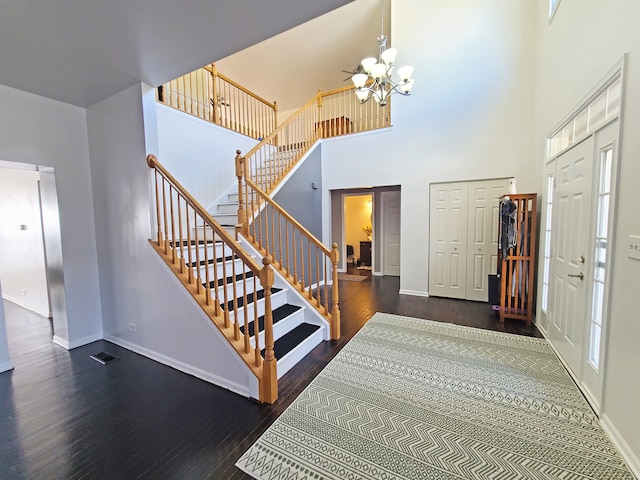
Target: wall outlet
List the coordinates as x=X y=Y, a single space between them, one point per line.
x=634 y=246
x=132 y=328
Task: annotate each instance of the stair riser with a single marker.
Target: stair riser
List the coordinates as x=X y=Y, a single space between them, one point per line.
x=239 y=289
x=226 y=220
x=217 y=271
x=294 y=356
x=227 y=208
x=277 y=300
x=282 y=327
x=218 y=250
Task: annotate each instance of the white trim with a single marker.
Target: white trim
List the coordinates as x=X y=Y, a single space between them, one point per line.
x=416 y=293
x=70 y=345
x=633 y=462
x=186 y=368
x=5 y=367
x=616 y=72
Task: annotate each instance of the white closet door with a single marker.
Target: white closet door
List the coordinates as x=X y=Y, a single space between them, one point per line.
x=448 y=239
x=482 y=238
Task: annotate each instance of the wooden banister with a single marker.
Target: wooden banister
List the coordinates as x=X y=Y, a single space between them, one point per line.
x=214 y=71
x=296 y=256
x=214 y=97
x=217 y=281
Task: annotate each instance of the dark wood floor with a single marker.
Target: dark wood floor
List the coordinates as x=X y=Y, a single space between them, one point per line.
x=65 y=416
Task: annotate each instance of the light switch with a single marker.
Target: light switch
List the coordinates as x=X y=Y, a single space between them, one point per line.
x=634 y=246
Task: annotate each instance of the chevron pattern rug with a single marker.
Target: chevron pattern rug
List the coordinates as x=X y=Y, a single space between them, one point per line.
x=411 y=399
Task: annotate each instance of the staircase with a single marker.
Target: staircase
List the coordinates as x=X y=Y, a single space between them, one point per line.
x=267 y=284
x=268 y=316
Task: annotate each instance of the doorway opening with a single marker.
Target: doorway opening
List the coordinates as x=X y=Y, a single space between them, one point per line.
x=365 y=223
x=358 y=230
x=31 y=248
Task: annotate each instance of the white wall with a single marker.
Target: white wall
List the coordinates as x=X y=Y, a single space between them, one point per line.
x=38 y=131
x=469 y=116
x=198 y=154
x=22 y=266
x=585 y=39
x=137 y=288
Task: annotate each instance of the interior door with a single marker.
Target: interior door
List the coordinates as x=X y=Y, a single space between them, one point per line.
x=391 y=233
x=570 y=241
x=448 y=239
x=482 y=237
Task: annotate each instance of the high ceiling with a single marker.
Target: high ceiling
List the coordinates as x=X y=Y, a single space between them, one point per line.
x=290 y=68
x=81 y=52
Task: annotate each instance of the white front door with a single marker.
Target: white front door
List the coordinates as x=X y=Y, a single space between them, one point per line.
x=482 y=236
x=391 y=233
x=448 y=240
x=570 y=249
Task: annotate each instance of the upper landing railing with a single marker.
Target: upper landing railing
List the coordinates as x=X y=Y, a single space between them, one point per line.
x=209 y=95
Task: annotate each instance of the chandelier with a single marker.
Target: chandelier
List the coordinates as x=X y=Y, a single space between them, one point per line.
x=376 y=81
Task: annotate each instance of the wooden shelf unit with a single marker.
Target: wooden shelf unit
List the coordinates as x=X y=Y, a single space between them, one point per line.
x=517 y=267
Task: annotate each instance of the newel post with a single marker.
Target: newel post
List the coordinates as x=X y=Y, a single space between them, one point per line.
x=269 y=389
x=335 y=311
x=275 y=122
x=320 y=123
x=241 y=226
x=151 y=162
x=214 y=94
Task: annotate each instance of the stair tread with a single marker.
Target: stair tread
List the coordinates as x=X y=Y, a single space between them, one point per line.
x=212 y=260
x=292 y=339
x=250 y=298
x=278 y=314
x=222 y=281
x=186 y=243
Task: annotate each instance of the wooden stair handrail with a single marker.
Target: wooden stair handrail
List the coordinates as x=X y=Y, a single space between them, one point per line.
x=152 y=161
x=214 y=71
x=282 y=126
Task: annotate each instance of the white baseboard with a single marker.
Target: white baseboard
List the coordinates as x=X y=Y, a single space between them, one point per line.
x=243 y=390
x=5 y=367
x=416 y=293
x=25 y=306
x=66 y=344
x=629 y=456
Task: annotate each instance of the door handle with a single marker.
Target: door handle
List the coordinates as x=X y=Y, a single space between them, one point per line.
x=579 y=275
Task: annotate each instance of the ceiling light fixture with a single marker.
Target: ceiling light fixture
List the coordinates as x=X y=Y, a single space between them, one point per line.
x=376 y=82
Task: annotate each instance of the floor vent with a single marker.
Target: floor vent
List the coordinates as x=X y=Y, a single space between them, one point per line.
x=103 y=357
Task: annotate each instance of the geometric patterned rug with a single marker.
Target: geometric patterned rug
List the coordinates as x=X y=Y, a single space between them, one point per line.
x=411 y=399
